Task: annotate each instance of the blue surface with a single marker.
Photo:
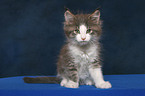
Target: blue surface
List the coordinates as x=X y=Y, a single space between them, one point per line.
x=123 y=85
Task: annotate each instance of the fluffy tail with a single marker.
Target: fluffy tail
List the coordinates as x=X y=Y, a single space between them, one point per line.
x=55 y=80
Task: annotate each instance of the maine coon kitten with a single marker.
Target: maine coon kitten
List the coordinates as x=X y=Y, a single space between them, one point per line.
x=79 y=59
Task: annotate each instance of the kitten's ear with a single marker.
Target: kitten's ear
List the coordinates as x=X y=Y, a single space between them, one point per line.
x=68 y=16
x=95 y=16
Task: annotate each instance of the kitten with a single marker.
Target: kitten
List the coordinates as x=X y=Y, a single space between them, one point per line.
x=79 y=60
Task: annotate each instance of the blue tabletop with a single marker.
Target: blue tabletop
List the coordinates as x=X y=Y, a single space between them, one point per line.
x=122 y=85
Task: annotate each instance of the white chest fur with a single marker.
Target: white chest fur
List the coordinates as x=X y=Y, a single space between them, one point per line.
x=83 y=59
x=89 y=55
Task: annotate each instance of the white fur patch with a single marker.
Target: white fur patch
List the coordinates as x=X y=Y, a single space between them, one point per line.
x=89 y=82
x=71 y=84
x=83 y=36
x=63 y=82
x=97 y=76
x=79 y=37
x=89 y=56
x=83 y=59
x=83 y=30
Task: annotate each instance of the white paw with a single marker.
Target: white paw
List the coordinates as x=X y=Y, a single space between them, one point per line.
x=104 y=85
x=89 y=82
x=63 y=82
x=72 y=84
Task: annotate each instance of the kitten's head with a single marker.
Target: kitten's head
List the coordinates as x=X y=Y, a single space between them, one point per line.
x=82 y=29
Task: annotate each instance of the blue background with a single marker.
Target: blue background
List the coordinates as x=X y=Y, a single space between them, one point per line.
x=31 y=35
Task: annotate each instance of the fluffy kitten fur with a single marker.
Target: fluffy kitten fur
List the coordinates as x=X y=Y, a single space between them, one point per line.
x=79 y=60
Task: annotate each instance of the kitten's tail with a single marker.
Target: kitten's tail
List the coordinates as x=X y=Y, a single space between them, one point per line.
x=55 y=80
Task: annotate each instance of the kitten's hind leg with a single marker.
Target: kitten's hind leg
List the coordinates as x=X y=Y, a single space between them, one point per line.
x=89 y=82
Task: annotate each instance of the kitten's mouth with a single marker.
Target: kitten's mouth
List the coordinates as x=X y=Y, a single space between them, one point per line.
x=83 y=42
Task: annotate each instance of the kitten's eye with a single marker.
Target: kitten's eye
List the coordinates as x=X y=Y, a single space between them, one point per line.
x=72 y=34
x=89 y=31
x=76 y=31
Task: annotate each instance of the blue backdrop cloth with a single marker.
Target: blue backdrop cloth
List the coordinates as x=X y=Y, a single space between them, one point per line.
x=123 y=85
x=31 y=35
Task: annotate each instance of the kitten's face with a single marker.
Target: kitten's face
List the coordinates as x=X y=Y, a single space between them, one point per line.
x=82 y=28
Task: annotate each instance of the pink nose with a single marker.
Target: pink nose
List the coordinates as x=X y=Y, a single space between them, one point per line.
x=83 y=38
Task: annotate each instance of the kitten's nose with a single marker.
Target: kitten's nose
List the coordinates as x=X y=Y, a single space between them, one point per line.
x=83 y=38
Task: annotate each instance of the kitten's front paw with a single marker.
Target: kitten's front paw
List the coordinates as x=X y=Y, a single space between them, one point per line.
x=63 y=82
x=104 y=85
x=72 y=84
